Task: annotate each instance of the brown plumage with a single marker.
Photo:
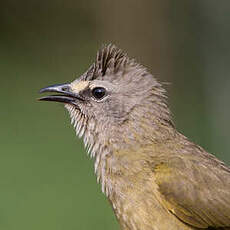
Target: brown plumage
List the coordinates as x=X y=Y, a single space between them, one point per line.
x=154 y=177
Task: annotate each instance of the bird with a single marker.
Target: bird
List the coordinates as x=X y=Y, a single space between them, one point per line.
x=154 y=177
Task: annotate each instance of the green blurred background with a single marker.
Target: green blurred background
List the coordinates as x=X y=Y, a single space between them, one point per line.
x=46 y=179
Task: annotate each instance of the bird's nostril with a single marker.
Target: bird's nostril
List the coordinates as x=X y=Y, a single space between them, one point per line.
x=65 y=88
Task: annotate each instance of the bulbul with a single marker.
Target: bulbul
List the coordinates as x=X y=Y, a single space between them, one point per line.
x=154 y=177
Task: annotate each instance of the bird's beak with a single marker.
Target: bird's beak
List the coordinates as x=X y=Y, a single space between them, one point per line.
x=65 y=94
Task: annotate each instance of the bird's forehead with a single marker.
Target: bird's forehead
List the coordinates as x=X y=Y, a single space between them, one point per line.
x=79 y=85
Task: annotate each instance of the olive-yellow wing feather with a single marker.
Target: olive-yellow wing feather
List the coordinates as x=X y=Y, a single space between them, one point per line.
x=196 y=189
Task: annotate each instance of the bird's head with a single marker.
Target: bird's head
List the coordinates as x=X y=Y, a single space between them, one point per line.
x=117 y=101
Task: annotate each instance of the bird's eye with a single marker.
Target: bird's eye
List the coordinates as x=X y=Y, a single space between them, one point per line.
x=99 y=92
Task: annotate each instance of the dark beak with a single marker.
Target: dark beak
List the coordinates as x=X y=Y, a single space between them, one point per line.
x=65 y=95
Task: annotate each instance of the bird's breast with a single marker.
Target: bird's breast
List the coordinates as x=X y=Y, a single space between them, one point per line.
x=136 y=200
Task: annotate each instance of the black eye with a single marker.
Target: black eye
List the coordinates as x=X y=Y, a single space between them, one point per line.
x=99 y=92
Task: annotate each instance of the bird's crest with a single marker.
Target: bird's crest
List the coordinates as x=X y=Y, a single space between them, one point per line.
x=109 y=60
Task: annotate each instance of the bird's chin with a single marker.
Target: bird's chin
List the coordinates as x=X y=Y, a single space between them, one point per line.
x=71 y=108
x=78 y=120
x=74 y=111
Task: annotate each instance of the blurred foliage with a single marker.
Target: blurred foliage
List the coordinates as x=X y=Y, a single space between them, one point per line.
x=46 y=179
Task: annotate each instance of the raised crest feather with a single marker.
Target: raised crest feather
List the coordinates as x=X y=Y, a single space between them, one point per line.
x=109 y=60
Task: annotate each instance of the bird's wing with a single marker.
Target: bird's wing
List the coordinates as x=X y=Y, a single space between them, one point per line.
x=196 y=190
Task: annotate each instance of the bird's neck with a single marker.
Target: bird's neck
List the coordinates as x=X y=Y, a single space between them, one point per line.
x=149 y=124
x=114 y=155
